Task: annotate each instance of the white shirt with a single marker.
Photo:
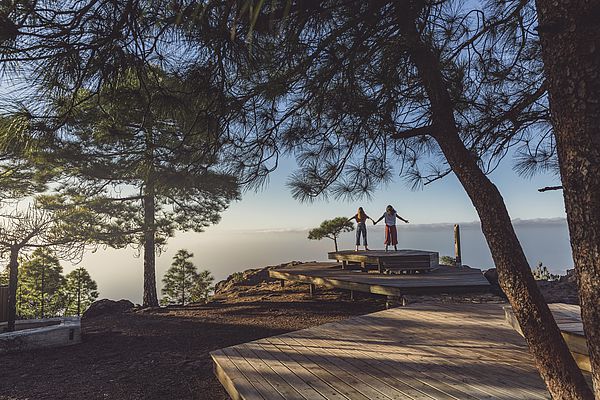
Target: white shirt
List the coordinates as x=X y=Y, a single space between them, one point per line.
x=390 y=219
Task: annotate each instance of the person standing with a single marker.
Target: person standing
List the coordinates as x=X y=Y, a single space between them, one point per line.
x=361 y=227
x=391 y=234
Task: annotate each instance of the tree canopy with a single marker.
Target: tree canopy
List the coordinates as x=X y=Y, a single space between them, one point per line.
x=183 y=284
x=143 y=153
x=331 y=229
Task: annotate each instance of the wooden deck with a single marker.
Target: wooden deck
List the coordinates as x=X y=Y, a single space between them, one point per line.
x=331 y=275
x=401 y=260
x=568 y=319
x=424 y=351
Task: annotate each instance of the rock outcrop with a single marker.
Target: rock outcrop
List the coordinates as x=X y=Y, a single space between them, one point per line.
x=106 y=306
x=249 y=277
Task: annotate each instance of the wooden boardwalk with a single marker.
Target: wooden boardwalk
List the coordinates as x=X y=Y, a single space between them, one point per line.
x=420 y=352
x=568 y=319
x=331 y=275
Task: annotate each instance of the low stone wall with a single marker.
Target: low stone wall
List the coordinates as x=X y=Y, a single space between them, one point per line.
x=41 y=333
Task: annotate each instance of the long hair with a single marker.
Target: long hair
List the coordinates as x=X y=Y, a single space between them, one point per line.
x=390 y=209
x=361 y=214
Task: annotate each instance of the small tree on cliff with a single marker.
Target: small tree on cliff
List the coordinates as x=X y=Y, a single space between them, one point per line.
x=331 y=229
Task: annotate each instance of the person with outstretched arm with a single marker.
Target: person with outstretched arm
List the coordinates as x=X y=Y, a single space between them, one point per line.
x=361 y=227
x=391 y=234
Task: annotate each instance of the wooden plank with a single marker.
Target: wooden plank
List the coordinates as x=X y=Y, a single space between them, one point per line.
x=362 y=381
x=506 y=366
x=286 y=374
x=472 y=367
x=247 y=369
x=309 y=379
x=234 y=382
x=400 y=260
x=382 y=375
x=265 y=368
x=343 y=387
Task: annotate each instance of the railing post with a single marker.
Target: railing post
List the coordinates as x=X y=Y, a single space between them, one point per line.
x=457 y=256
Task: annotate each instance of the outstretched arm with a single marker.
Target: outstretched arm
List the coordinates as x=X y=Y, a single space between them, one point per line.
x=401 y=219
x=375 y=222
x=351 y=218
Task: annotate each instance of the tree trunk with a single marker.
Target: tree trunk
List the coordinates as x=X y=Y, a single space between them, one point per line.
x=335 y=244
x=570 y=38
x=13 y=267
x=42 y=291
x=183 y=288
x=150 y=296
x=551 y=355
x=79 y=292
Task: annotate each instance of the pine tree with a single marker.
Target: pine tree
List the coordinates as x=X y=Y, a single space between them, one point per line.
x=180 y=279
x=202 y=287
x=144 y=152
x=40 y=283
x=80 y=290
x=331 y=229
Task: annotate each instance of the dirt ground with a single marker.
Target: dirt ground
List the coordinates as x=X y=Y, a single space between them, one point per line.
x=164 y=353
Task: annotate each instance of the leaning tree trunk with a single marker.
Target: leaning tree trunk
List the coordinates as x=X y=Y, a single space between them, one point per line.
x=13 y=268
x=552 y=357
x=570 y=38
x=150 y=297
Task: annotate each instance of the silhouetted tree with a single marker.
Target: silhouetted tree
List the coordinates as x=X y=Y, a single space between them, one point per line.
x=331 y=229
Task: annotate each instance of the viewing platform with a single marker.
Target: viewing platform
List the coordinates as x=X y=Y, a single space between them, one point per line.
x=440 y=279
x=423 y=351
